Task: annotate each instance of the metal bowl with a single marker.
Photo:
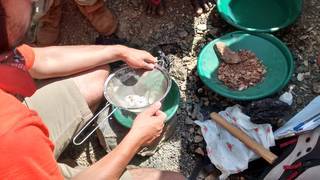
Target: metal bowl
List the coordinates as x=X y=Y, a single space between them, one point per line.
x=136 y=89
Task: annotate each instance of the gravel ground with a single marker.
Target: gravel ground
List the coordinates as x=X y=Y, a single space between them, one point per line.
x=181 y=35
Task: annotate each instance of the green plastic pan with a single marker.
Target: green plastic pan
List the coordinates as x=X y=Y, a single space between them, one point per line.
x=274 y=54
x=260 y=15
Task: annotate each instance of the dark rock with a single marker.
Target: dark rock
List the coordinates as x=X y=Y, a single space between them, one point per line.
x=316 y=87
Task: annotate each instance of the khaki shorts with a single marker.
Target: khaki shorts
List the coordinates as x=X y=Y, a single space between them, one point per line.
x=63 y=110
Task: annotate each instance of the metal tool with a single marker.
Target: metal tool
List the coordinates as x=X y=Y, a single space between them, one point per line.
x=132 y=90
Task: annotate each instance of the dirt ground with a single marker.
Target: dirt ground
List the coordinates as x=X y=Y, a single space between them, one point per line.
x=181 y=34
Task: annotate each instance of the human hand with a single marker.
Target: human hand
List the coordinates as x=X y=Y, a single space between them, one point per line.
x=148 y=125
x=138 y=58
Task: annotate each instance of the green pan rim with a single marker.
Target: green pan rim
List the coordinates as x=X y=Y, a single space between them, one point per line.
x=269 y=37
x=231 y=22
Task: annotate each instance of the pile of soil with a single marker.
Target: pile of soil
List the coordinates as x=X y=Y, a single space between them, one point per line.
x=249 y=72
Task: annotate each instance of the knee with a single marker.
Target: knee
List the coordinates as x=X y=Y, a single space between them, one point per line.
x=100 y=74
x=91 y=84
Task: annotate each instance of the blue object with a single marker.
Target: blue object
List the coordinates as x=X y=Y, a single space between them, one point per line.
x=299 y=127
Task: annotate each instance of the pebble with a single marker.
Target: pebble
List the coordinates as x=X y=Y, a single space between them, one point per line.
x=198 y=139
x=202 y=27
x=196 y=111
x=316 y=87
x=200 y=90
x=302 y=69
x=206 y=103
x=189 y=121
x=200 y=116
x=199 y=131
x=300 y=76
x=186 y=58
x=183 y=34
x=170 y=25
x=299 y=100
x=199 y=151
x=211 y=177
x=199 y=31
x=191 y=130
x=213 y=31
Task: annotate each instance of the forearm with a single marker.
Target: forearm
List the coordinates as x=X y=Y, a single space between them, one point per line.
x=112 y=165
x=59 y=61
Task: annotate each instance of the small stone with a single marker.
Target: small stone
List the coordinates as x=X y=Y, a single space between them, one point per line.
x=299 y=101
x=205 y=98
x=211 y=177
x=196 y=110
x=316 y=87
x=186 y=58
x=199 y=151
x=191 y=130
x=189 y=121
x=213 y=31
x=200 y=116
x=300 y=77
x=202 y=27
x=206 y=103
x=200 y=90
x=304 y=37
x=302 y=69
x=170 y=25
x=199 y=31
x=306 y=63
x=199 y=131
x=318 y=60
x=307 y=74
x=198 y=139
x=183 y=34
x=194 y=116
x=157 y=36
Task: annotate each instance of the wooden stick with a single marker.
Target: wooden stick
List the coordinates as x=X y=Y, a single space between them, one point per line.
x=244 y=138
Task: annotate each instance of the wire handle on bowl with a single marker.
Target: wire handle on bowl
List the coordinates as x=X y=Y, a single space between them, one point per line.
x=164 y=60
x=90 y=123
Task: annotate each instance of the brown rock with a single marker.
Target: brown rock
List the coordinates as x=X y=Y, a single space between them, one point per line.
x=198 y=139
x=212 y=177
x=199 y=151
x=316 y=87
x=226 y=54
x=189 y=121
x=191 y=130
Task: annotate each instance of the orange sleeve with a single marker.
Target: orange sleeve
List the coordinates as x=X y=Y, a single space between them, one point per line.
x=28 y=54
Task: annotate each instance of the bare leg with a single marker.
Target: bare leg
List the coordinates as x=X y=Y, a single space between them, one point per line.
x=154 y=174
x=90 y=84
x=201 y=6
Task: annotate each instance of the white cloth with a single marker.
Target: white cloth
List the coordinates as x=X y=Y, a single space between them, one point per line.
x=225 y=151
